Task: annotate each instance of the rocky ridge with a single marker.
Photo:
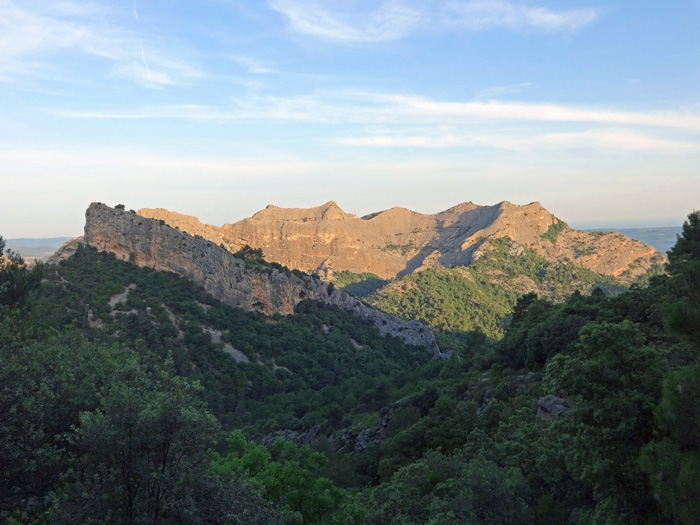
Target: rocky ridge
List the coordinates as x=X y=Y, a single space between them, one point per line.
x=152 y=243
x=398 y=241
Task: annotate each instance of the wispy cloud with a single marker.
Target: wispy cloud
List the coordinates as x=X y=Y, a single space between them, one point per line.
x=362 y=107
x=386 y=20
x=401 y=121
x=252 y=65
x=338 y=21
x=489 y=14
x=596 y=139
x=70 y=27
x=499 y=91
x=166 y=73
x=615 y=139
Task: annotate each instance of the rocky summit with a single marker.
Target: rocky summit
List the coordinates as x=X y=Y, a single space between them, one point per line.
x=396 y=242
x=152 y=243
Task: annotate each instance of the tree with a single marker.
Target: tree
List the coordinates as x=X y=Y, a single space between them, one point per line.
x=673 y=461
x=142 y=455
x=247 y=252
x=43 y=388
x=612 y=381
x=687 y=247
x=287 y=474
x=16 y=280
x=683 y=314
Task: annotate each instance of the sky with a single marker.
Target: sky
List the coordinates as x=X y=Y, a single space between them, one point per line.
x=217 y=108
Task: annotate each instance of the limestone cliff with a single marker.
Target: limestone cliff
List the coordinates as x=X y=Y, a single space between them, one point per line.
x=151 y=243
x=398 y=241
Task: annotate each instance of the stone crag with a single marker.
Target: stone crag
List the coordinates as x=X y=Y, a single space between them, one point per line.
x=152 y=243
x=398 y=241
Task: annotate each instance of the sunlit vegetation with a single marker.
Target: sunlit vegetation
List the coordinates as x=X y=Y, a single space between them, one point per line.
x=554 y=230
x=482 y=295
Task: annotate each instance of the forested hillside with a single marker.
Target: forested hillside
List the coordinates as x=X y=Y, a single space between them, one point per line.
x=129 y=395
x=481 y=295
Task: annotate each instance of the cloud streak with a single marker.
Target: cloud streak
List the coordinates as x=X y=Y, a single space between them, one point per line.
x=80 y=28
x=334 y=21
x=595 y=139
x=387 y=20
x=253 y=65
x=489 y=14
x=515 y=126
x=361 y=107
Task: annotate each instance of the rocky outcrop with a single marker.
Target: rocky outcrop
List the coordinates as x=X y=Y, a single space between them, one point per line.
x=398 y=241
x=154 y=244
x=66 y=250
x=549 y=406
x=300 y=438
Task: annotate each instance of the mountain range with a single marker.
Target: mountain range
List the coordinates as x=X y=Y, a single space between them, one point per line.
x=457 y=271
x=397 y=242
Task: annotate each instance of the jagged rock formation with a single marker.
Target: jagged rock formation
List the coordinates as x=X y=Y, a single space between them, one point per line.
x=398 y=241
x=152 y=243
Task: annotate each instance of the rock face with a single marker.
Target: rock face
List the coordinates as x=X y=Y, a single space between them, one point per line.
x=152 y=243
x=549 y=406
x=398 y=241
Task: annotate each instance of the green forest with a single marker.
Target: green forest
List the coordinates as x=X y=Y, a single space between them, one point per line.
x=130 y=396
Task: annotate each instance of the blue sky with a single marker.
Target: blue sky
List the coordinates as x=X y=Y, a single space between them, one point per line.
x=217 y=108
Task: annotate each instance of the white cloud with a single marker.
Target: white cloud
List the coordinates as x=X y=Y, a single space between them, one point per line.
x=166 y=72
x=360 y=107
x=253 y=65
x=614 y=139
x=497 y=91
x=338 y=21
x=595 y=139
x=422 y=107
x=386 y=20
x=416 y=141
x=29 y=30
x=488 y=14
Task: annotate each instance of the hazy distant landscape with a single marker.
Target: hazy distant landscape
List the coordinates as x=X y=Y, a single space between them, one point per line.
x=35 y=249
x=661 y=238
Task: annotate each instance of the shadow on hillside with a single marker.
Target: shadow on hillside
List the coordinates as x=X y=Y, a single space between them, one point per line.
x=448 y=242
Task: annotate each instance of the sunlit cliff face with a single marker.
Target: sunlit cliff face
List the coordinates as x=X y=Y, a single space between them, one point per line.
x=398 y=241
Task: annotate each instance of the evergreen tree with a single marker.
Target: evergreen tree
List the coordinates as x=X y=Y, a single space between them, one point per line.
x=673 y=462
